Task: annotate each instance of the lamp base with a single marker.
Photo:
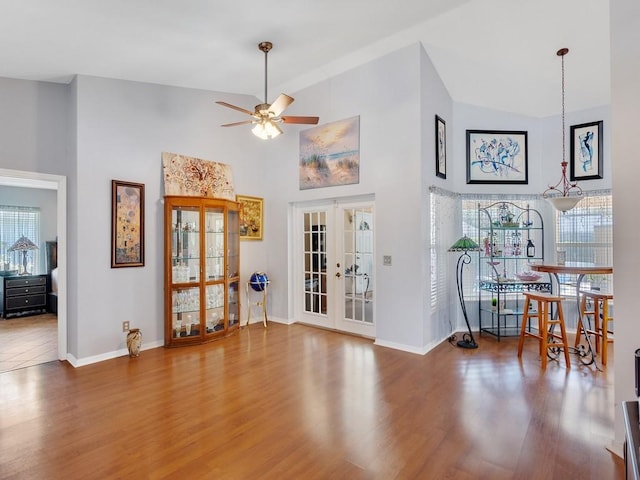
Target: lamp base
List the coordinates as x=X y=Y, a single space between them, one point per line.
x=467 y=344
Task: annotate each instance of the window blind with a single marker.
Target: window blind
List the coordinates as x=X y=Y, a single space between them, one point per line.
x=16 y=222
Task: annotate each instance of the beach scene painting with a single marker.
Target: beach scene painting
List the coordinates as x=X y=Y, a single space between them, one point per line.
x=330 y=154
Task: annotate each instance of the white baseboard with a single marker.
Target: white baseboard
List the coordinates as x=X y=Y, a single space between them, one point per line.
x=81 y=362
x=617 y=448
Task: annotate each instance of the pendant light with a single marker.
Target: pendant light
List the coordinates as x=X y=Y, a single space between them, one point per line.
x=570 y=193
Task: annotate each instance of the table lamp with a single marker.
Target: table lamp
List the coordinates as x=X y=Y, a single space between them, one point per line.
x=23 y=244
x=464 y=245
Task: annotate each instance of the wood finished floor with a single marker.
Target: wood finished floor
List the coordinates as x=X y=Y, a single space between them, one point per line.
x=294 y=402
x=28 y=341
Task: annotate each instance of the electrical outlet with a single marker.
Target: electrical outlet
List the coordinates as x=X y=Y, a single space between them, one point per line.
x=125 y=326
x=386 y=260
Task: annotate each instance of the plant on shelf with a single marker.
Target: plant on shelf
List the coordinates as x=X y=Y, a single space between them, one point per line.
x=494 y=304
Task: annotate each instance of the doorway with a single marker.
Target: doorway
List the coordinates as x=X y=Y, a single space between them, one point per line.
x=17 y=178
x=334 y=266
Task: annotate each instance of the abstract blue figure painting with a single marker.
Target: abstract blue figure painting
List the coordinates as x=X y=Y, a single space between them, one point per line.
x=497 y=156
x=586 y=151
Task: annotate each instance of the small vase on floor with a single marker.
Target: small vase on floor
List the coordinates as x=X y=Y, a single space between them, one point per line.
x=134 y=342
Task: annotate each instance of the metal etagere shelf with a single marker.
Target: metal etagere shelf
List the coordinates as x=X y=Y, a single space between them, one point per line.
x=511 y=239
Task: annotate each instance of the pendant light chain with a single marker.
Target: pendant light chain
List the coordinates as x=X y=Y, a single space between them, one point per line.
x=563 y=124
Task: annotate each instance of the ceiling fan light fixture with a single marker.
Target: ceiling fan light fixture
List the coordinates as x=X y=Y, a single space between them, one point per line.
x=266 y=130
x=266 y=116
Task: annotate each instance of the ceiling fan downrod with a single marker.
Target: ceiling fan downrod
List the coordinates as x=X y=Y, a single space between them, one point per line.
x=265 y=47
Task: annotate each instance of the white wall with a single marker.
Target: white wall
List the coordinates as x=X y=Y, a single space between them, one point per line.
x=385 y=94
x=33 y=127
x=544 y=147
x=434 y=99
x=122 y=129
x=625 y=105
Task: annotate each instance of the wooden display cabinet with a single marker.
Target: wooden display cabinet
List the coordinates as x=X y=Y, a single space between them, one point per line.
x=202 y=268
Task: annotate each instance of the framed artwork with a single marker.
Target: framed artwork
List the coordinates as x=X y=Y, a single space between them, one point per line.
x=194 y=177
x=330 y=154
x=250 y=217
x=586 y=151
x=441 y=148
x=127 y=224
x=497 y=156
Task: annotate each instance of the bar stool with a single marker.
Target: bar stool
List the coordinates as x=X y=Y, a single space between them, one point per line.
x=544 y=335
x=596 y=304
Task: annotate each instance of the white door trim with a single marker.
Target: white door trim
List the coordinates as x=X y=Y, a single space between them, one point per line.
x=18 y=178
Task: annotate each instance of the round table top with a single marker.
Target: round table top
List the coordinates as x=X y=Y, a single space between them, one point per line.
x=577 y=268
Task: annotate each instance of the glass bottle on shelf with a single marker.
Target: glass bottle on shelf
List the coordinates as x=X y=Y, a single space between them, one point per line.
x=531 y=249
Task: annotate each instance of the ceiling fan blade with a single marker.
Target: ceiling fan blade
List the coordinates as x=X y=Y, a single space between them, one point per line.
x=280 y=104
x=236 y=123
x=240 y=109
x=304 y=120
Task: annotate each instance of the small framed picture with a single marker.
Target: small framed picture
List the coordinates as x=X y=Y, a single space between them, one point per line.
x=586 y=151
x=497 y=156
x=441 y=148
x=250 y=217
x=127 y=224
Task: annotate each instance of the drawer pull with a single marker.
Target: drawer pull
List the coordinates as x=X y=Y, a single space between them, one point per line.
x=26 y=290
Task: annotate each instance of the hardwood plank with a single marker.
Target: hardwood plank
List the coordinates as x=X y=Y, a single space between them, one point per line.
x=298 y=402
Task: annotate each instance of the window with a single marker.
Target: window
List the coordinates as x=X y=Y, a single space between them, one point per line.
x=585 y=233
x=16 y=222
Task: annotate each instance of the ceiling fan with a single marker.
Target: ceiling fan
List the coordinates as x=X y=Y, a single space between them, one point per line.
x=266 y=117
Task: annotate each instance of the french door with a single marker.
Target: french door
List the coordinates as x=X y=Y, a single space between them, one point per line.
x=335 y=266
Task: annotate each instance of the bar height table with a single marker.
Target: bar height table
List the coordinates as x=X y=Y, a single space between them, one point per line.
x=580 y=269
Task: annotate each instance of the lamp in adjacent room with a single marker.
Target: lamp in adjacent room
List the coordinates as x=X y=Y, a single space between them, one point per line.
x=570 y=193
x=464 y=245
x=23 y=244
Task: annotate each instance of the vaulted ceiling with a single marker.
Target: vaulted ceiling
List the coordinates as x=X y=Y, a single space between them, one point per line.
x=493 y=53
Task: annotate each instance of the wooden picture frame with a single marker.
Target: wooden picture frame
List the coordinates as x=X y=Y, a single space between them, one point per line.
x=127 y=224
x=441 y=147
x=497 y=156
x=251 y=217
x=586 y=151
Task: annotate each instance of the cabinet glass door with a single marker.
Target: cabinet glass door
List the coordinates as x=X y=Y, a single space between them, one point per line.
x=233 y=267
x=234 y=305
x=214 y=243
x=185 y=312
x=185 y=245
x=214 y=308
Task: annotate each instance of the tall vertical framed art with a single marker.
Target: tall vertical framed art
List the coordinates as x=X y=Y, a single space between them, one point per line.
x=586 y=151
x=127 y=224
x=441 y=148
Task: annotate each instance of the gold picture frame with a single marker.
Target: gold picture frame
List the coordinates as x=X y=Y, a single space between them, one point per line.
x=251 y=217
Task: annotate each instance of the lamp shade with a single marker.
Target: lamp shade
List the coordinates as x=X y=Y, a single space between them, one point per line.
x=564 y=204
x=266 y=130
x=23 y=243
x=464 y=244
